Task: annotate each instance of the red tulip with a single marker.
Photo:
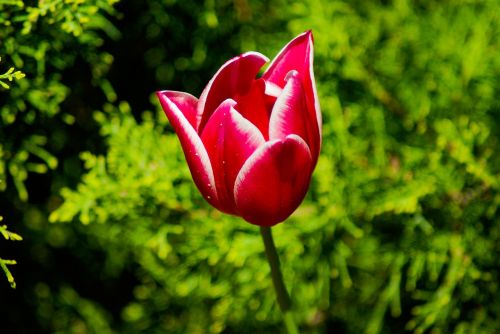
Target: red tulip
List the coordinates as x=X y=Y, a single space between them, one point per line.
x=252 y=143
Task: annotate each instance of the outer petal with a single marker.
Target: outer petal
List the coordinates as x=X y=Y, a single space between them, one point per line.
x=194 y=151
x=229 y=139
x=273 y=181
x=235 y=77
x=290 y=115
x=186 y=103
x=298 y=55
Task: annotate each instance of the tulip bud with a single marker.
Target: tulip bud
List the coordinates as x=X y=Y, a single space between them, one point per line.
x=251 y=143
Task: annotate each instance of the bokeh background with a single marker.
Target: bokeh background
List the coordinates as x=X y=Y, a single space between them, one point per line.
x=399 y=233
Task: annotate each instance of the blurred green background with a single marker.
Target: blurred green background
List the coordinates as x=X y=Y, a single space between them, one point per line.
x=400 y=230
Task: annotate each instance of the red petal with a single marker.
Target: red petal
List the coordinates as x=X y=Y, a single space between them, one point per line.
x=298 y=55
x=230 y=139
x=186 y=103
x=290 y=115
x=254 y=107
x=235 y=77
x=273 y=181
x=194 y=151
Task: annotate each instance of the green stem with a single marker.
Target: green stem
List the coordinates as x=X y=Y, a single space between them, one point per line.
x=282 y=296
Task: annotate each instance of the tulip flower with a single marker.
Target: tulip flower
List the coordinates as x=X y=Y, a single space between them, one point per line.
x=252 y=143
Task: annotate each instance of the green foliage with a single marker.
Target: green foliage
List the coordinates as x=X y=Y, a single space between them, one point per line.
x=10 y=75
x=399 y=231
x=4 y=263
x=39 y=39
x=75 y=314
x=409 y=146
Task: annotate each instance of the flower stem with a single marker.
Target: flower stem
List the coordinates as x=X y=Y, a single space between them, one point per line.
x=282 y=296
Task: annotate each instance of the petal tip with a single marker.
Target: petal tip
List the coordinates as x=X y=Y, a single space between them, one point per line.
x=256 y=55
x=159 y=93
x=291 y=74
x=308 y=34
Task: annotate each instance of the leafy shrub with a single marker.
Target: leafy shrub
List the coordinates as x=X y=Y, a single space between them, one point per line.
x=7 y=235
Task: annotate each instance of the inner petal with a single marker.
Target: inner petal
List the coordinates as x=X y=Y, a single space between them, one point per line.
x=234 y=77
x=255 y=106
